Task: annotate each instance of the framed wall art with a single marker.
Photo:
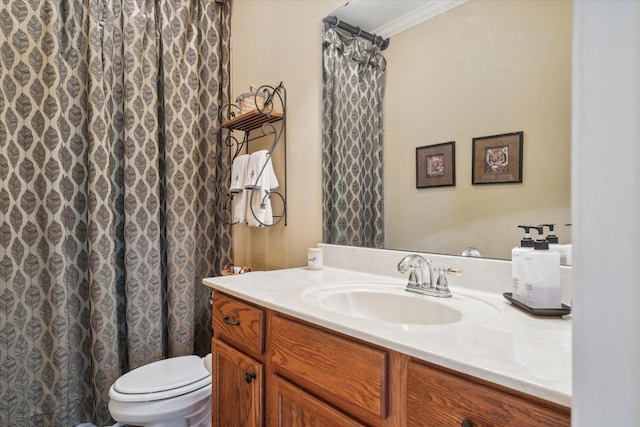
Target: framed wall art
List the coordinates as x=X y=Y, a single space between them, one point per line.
x=497 y=159
x=436 y=165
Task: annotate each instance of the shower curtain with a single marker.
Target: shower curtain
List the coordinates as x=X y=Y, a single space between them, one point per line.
x=352 y=189
x=109 y=159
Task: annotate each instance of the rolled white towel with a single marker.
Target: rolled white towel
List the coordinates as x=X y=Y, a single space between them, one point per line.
x=239 y=173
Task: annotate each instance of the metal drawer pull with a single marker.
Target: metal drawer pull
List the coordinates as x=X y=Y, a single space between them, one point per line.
x=249 y=376
x=226 y=320
x=466 y=423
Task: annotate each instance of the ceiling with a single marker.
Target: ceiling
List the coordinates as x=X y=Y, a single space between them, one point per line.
x=386 y=18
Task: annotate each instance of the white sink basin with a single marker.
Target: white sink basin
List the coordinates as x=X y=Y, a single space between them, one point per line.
x=386 y=302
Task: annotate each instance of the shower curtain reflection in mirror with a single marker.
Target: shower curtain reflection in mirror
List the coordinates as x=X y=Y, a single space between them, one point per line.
x=353 y=82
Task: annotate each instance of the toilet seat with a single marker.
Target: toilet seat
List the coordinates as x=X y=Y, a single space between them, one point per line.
x=163 y=379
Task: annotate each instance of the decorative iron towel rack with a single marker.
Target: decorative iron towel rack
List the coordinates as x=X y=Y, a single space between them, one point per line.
x=262 y=122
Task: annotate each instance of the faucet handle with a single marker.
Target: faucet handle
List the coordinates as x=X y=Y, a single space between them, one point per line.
x=441 y=283
x=413 y=275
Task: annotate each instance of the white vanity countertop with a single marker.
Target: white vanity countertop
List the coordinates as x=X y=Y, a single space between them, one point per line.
x=513 y=349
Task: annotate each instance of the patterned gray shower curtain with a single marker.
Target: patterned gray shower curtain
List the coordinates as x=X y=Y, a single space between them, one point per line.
x=352 y=189
x=109 y=159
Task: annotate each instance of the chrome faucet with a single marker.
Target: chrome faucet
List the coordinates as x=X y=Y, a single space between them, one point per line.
x=421 y=277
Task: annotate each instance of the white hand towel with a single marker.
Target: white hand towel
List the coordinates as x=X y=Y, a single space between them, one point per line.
x=273 y=180
x=257 y=208
x=254 y=168
x=262 y=181
x=239 y=173
x=239 y=206
x=258 y=172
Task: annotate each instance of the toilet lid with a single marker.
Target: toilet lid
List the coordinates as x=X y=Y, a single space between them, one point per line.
x=176 y=373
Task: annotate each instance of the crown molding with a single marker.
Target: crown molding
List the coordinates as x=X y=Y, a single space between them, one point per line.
x=417 y=16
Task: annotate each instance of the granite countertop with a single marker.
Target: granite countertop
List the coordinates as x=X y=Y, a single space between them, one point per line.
x=508 y=347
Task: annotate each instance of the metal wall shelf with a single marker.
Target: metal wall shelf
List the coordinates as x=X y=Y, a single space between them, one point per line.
x=256 y=124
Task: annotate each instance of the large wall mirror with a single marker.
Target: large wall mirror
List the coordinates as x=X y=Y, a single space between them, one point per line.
x=482 y=68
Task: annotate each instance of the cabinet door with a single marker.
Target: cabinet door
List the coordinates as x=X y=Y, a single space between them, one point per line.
x=237 y=388
x=290 y=406
x=436 y=398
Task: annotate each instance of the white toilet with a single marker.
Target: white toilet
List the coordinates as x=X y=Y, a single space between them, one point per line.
x=174 y=392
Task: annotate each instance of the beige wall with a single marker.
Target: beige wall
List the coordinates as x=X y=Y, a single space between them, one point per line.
x=274 y=41
x=483 y=68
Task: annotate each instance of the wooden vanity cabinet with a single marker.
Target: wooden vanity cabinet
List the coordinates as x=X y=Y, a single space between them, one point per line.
x=274 y=370
x=237 y=392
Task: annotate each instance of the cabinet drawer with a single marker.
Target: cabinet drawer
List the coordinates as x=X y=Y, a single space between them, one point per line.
x=294 y=407
x=436 y=398
x=347 y=374
x=238 y=323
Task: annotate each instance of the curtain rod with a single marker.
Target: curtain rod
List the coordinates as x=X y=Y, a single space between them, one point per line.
x=333 y=21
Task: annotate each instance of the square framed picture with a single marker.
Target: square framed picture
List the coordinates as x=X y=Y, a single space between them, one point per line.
x=436 y=165
x=497 y=159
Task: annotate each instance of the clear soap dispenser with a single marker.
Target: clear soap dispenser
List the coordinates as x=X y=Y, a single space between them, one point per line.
x=517 y=263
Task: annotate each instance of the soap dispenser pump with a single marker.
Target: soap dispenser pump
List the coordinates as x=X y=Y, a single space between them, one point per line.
x=551 y=235
x=542 y=275
x=517 y=263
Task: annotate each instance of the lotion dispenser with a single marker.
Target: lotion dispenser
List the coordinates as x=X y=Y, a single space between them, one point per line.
x=517 y=264
x=542 y=275
x=553 y=243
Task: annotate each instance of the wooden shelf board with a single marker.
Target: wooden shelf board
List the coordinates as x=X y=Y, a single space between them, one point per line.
x=251 y=120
